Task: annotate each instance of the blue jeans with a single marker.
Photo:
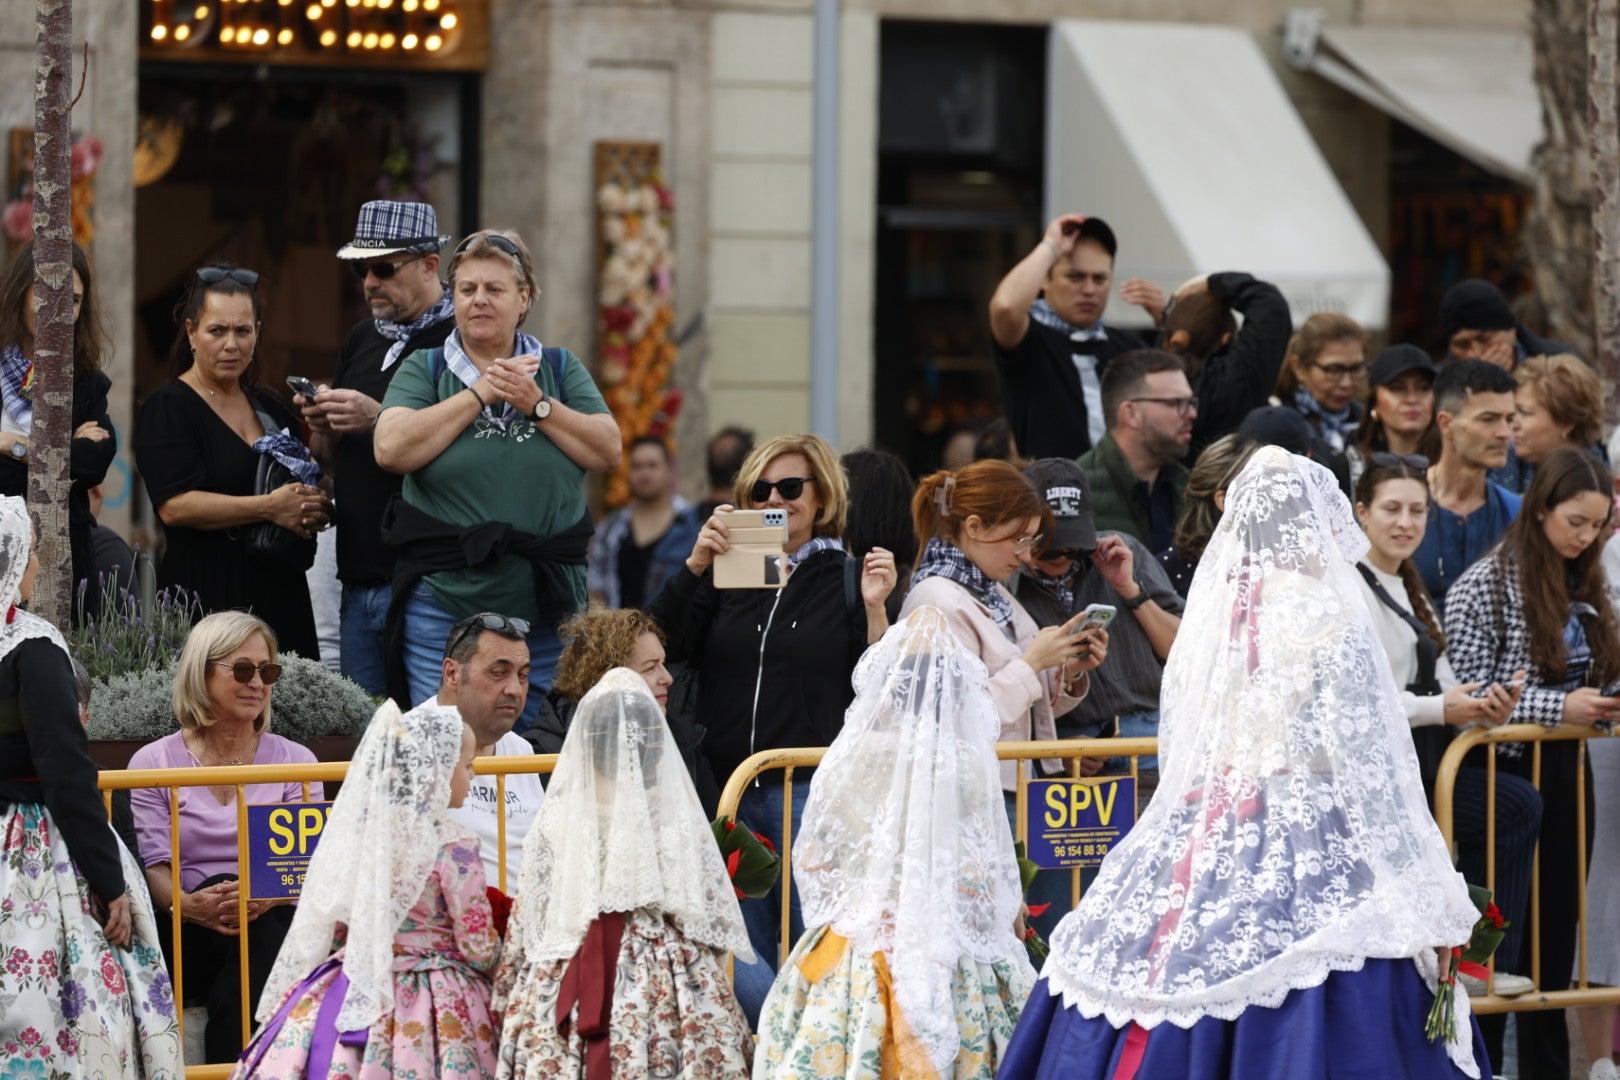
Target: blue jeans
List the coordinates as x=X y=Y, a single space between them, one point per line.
x=427 y=631
x=761 y=810
x=360 y=631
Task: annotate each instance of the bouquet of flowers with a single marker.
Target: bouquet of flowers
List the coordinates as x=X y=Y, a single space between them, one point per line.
x=500 y=909
x=1027 y=870
x=751 y=859
x=1467 y=959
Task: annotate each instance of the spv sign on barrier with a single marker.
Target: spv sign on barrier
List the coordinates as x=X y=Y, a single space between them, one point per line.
x=281 y=838
x=1074 y=823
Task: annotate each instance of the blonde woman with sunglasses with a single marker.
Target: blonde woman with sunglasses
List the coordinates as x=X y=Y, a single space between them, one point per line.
x=222 y=690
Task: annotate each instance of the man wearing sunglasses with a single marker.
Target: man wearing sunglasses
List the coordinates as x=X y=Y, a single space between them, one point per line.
x=395 y=257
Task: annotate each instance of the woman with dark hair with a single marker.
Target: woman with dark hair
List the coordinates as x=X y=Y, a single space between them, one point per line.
x=200 y=442
x=880 y=489
x=93 y=445
x=1321 y=372
x=1211 y=475
x=1539 y=603
x=1231 y=370
x=1398 y=416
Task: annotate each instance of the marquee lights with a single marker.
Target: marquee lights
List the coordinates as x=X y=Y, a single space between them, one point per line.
x=334 y=27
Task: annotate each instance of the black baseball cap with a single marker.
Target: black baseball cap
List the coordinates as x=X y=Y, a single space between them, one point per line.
x=1095 y=228
x=1063 y=485
x=1396 y=361
x=1279 y=425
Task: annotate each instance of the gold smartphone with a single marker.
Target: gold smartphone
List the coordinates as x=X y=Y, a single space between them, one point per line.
x=755 y=558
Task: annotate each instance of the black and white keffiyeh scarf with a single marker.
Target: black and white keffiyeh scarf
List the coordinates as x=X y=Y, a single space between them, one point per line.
x=944 y=559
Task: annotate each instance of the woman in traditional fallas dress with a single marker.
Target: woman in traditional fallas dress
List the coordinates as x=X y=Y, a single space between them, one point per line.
x=1278 y=911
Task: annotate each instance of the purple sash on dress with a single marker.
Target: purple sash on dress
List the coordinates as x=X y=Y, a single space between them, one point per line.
x=325 y=1038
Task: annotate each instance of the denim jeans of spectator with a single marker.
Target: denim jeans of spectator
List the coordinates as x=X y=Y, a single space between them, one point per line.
x=427 y=629
x=761 y=810
x=361 y=621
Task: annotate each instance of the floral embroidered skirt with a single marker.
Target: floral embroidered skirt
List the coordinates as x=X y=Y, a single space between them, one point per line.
x=1357 y=1025
x=72 y=1005
x=440 y=1027
x=673 y=1011
x=828 y=1016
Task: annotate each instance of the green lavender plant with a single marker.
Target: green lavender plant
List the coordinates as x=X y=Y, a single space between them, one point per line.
x=309 y=701
x=129 y=636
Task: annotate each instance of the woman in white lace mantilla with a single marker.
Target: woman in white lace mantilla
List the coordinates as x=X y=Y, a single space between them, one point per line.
x=614 y=960
x=1277 y=911
x=910 y=968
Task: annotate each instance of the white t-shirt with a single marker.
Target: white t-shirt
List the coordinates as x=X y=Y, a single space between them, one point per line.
x=523 y=797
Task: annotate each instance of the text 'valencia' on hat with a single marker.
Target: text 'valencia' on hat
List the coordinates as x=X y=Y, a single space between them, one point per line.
x=1396 y=361
x=1061 y=483
x=391 y=228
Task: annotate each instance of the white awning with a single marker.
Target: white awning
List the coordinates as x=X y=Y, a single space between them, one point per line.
x=1183 y=140
x=1470 y=90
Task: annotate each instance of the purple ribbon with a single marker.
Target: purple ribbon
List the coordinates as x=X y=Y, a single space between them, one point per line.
x=326 y=1037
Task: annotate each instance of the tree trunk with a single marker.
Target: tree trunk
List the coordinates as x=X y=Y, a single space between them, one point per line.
x=1558 y=226
x=53 y=309
x=1604 y=111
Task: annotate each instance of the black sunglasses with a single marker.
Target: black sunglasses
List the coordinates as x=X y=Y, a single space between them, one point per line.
x=495 y=240
x=243 y=670
x=791 y=487
x=382 y=271
x=211 y=275
x=1385 y=460
x=1072 y=554
x=489 y=620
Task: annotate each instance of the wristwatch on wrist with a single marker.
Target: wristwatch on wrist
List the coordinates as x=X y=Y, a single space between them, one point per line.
x=542 y=408
x=19 y=449
x=1139 y=599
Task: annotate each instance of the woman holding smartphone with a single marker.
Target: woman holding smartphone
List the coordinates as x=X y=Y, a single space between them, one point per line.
x=979 y=525
x=1539 y=603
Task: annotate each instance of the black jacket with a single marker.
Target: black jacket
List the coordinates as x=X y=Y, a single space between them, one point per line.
x=1241 y=374
x=773 y=668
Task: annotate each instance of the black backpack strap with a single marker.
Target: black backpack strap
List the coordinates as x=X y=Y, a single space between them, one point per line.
x=1428 y=653
x=436 y=364
x=558 y=360
x=852 y=586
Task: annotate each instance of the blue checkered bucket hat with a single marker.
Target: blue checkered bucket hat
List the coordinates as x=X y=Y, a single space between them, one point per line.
x=389 y=228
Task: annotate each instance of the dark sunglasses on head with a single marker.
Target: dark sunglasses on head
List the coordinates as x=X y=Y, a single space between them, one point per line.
x=1072 y=554
x=1384 y=460
x=494 y=240
x=210 y=275
x=489 y=620
x=382 y=271
x=242 y=671
x=791 y=487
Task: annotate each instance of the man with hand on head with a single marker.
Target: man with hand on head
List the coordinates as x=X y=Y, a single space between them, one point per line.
x=395 y=254
x=1049 y=342
x=486 y=680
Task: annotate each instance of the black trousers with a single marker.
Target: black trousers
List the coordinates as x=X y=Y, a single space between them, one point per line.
x=212 y=976
x=1543 y=1035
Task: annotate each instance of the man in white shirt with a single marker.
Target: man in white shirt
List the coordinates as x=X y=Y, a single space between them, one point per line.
x=486 y=679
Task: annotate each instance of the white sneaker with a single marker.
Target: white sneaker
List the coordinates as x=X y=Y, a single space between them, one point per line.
x=1507 y=985
x=1603 y=1069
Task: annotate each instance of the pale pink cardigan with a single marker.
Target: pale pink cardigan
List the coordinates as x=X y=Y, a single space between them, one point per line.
x=1026 y=699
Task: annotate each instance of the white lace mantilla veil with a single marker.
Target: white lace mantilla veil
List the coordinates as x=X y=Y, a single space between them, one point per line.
x=905 y=846
x=1289 y=837
x=16 y=544
x=387 y=826
x=622 y=829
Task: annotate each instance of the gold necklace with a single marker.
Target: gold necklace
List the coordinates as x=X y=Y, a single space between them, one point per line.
x=219 y=760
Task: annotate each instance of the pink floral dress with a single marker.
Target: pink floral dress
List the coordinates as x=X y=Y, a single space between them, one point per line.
x=441 y=1025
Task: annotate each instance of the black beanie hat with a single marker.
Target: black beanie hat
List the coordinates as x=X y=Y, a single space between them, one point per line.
x=1474 y=305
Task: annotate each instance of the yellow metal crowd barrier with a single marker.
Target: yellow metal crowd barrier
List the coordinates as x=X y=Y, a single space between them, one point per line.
x=1582 y=993
x=1071 y=750
x=238 y=777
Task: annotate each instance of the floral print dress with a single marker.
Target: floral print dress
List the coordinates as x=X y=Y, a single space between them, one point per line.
x=441 y=1025
x=71 y=1004
x=673 y=1012
x=830 y=1016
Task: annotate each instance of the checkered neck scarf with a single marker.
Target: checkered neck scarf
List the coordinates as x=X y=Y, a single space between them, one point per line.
x=17 y=384
x=1061 y=585
x=1042 y=313
x=461 y=365
x=1336 y=428
x=946 y=560
x=400 y=333
x=814 y=546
